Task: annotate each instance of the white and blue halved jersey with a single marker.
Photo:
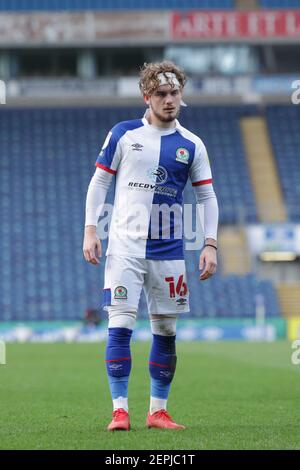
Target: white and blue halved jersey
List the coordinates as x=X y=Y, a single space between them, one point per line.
x=152 y=167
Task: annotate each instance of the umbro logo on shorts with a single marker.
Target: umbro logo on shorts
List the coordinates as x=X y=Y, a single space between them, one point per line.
x=137 y=147
x=181 y=301
x=120 y=293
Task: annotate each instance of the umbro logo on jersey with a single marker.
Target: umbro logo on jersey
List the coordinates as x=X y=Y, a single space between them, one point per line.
x=182 y=155
x=137 y=147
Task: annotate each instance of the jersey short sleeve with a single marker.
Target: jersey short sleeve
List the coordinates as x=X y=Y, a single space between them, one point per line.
x=200 y=172
x=110 y=154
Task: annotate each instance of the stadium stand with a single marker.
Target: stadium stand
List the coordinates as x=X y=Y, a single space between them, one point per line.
x=263 y=170
x=231 y=296
x=219 y=127
x=283 y=123
x=47 y=159
x=79 y=5
x=280 y=3
x=82 y=5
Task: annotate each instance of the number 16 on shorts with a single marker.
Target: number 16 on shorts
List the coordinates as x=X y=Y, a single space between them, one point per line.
x=2 y=353
x=179 y=287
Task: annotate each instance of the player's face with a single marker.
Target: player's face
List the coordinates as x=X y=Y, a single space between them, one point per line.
x=165 y=104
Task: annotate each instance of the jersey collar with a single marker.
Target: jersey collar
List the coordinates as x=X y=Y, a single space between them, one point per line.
x=167 y=131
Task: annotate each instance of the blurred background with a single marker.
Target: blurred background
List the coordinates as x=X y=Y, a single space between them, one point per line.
x=69 y=72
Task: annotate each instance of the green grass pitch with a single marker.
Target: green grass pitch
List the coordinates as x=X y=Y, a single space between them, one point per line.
x=230 y=395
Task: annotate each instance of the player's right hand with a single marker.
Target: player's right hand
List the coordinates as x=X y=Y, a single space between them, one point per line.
x=91 y=245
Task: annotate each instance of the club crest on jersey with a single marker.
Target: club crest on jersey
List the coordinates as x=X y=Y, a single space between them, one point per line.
x=158 y=175
x=120 y=293
x=182 y=155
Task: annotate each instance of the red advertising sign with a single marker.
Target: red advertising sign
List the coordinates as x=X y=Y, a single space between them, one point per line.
x=235 y=25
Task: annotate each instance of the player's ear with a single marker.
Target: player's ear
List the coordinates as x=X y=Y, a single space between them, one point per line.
x=147 y=99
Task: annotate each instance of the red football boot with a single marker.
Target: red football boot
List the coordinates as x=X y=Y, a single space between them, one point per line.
x=120 y=421
x=162 y=420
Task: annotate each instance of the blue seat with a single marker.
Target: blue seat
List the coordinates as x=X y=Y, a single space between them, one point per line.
x=77 y=5
x=280 y=3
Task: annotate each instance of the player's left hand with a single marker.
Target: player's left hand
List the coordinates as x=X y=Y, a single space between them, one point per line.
x=208 y=262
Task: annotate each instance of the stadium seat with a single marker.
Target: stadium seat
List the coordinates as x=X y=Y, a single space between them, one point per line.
x=280 y=3
x=77 y=5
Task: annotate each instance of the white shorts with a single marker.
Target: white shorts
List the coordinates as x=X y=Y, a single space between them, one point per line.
x=164 y=284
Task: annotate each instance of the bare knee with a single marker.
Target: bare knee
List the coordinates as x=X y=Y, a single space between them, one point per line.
x=164 y=325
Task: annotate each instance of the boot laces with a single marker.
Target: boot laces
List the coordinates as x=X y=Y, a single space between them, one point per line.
x=119 y=413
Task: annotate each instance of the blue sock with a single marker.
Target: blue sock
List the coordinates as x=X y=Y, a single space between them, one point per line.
x=118 y=361
x=162 y=365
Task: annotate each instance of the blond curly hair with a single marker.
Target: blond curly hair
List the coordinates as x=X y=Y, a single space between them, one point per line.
x=149 y=72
